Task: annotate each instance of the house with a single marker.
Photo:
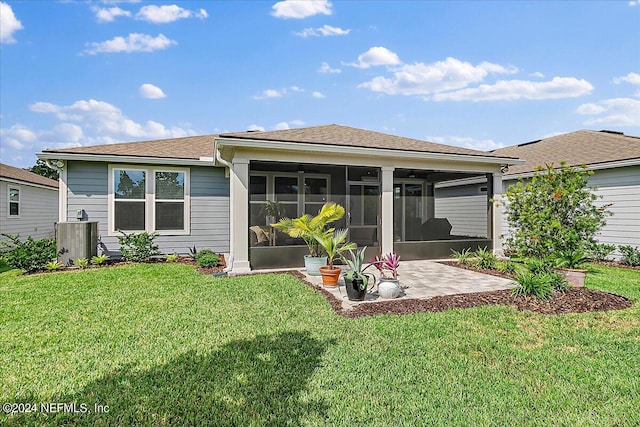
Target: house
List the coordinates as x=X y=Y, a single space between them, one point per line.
x=615 y=160
x=211 y=191
x=28 y=203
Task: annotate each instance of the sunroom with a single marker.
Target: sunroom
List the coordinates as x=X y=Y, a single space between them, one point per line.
x=408 y=196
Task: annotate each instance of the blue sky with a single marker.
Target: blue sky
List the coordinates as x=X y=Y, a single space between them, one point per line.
x=474 y=74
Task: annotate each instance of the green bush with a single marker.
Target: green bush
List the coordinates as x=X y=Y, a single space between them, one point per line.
x=30 y=255
x=463 y=257
x=554 y=211
x=53 y=266
x=538 y=285
x=539 y=266
x=485 y=259
x=82 y=262
x=508 y=267
x=206 y=258
x=630 y=255
x=601 y=251
x=99 y=259
x=138 y=247
x=557 y=281
x=172 y=257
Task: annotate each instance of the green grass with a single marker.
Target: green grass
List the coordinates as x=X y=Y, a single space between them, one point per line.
x=162 y=345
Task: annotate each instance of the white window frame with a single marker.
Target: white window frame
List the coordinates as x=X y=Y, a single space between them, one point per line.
x=9 y=201
x=150 y=199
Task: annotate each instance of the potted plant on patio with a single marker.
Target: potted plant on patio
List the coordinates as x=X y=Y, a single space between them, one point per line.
x=308 y=228
x=388 y=285
x=355 y=280
x=334 y=244
x=569 y=264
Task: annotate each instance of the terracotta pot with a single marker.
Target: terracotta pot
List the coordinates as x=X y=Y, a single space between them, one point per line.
x=330 y=276
x=574 y=278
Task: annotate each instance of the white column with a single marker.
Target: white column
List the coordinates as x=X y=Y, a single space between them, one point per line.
x=387 y=210
x=240 y=223
x=62 y=193
x=497 y=214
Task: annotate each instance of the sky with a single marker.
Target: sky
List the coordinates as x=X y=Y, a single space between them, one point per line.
x=476 y=74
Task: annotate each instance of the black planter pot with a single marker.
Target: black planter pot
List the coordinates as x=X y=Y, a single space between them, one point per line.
x=354 y=293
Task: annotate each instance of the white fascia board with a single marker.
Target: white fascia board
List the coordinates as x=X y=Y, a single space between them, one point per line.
x=462 y=181
x=591 y=167
x=31 y=184
x=203 y=161
x=371 y=152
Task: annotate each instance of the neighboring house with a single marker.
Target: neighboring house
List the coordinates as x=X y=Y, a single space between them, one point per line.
x=210 y=191
x=615 y=159
x=28 y=203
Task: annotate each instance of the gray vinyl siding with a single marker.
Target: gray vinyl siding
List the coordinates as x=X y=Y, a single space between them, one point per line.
x=465 y=207
x=619 y=187
x=38 y=211
x=209 y=209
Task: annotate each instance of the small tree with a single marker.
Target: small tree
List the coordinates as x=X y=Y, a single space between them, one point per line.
x=554 y=211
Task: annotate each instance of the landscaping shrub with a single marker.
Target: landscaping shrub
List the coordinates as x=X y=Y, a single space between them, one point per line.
x=30 y=255
x=53 y=266
x=99 y=259
x=601 y=251
x=485 y=259
x=206 y=258
x=82 y=262
x=508 y=267
x=463 y=257
x=539 y=266
x=538 y=285
x=630 y=255
x=172 y=257
x=138 y=247
x=554 y=211
x=557 y=281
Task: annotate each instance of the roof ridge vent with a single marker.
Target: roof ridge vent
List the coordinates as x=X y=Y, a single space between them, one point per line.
x=614 y=132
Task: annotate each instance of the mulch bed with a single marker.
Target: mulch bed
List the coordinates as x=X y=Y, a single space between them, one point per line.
x=573 y=300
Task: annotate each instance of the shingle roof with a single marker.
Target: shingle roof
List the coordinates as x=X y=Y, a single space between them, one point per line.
x=353 y=137
x=190 y=147
x=581 y=147
x=18 y=174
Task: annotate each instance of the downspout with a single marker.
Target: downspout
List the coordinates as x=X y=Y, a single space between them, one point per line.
x=229 y=266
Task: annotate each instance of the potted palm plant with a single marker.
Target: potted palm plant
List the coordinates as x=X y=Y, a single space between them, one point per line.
x=308 y=228
x=356 y=280
x=570 y=265
x=334 y=244
x=388 y=285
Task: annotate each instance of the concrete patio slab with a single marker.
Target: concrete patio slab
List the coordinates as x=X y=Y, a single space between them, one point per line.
x=424 y=280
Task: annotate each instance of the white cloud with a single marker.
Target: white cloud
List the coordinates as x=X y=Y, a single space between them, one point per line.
x=612 y=112
x=511 y=90
x=633 y=78
x=168 y=13
x=375 y=56
x=9 y=24
x=269 y=93
x=277 y=93
x=318 y=95
x=150 y=91
x=255 y=128
x=109 y=14
x=325 y=68
x=107 y=121
x=324 y=31
x=300 y=9
x=288 y=125
x=537 y=74
x=134 y=42
x=427 y=79
x=634 y=2
x=467 y=142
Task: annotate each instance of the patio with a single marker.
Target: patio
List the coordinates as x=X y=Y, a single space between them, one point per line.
x=424 y=280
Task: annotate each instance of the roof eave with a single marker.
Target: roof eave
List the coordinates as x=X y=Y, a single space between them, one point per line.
x=592 y=166
x=373 y=152
x=114 y=158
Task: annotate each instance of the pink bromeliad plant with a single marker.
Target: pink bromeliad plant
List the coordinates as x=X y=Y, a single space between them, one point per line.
x=388 y=263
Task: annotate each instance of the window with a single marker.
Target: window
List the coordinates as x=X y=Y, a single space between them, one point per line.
x=149 y=200
x=14 y=202
x=296 y=194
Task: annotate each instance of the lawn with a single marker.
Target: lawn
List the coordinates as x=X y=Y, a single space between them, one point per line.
x=161 y=344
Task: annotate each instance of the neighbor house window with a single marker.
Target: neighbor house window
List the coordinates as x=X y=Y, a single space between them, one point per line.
x=148 y=199
x=14 y=202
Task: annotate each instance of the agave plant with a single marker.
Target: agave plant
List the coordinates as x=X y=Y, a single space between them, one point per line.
x=357 y=267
